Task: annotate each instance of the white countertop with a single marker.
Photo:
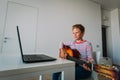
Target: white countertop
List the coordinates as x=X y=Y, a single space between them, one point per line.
x=12 y=64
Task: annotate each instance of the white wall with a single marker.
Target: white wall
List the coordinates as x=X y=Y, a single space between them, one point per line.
x=115 y=29
x=3 y=7
x=106 y=17
x=56 y=18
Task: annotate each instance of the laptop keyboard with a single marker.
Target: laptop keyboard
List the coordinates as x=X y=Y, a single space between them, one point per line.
x=36 y=57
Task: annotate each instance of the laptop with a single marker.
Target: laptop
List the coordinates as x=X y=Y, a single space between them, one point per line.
x=32 y=58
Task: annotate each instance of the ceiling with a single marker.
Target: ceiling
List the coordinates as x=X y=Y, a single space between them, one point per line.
x=108 y=4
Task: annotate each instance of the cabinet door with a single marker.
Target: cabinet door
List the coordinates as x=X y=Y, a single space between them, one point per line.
x=26 y=18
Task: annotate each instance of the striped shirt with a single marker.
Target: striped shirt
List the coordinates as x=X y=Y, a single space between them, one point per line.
x=84 y=48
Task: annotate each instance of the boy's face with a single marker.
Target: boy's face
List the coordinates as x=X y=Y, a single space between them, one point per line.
x=77 y=34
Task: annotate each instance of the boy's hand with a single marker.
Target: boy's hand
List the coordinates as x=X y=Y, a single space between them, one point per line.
x=62 y=54
x=86 y=67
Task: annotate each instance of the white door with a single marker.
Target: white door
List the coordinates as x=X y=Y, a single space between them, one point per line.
x=26 y=18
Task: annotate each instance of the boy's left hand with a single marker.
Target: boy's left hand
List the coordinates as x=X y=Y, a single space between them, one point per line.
x=87 y=66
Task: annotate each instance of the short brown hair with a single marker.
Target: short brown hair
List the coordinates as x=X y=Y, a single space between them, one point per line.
x=79 y=26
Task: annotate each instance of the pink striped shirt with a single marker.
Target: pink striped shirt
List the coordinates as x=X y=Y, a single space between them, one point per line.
x=84 y=48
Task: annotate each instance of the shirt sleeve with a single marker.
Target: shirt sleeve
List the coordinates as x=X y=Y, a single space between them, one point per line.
x=89 y=52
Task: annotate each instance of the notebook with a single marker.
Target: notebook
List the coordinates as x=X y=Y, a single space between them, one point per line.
x=31 y=58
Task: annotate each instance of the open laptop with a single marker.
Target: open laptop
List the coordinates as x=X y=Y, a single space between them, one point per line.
x=31 y=58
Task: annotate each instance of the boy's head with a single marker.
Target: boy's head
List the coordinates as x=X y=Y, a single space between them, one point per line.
x=78 y=31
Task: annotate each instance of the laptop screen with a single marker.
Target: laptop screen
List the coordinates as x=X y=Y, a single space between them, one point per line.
x=33 y=57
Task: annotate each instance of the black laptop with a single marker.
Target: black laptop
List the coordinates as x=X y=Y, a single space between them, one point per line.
x=31 y=58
